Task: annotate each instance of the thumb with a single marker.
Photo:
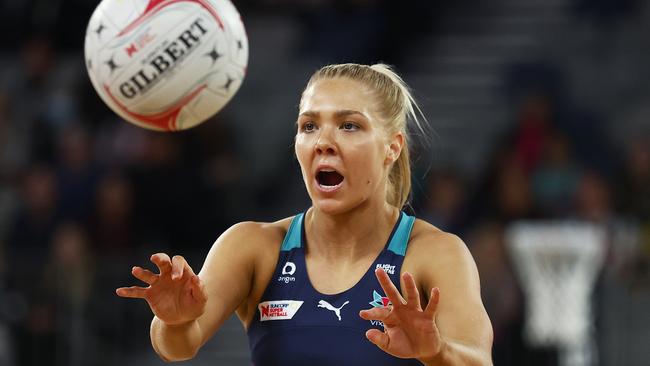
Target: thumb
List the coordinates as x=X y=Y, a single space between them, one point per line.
x=379 y=338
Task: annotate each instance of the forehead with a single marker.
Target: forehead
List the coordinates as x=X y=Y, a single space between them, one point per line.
x=329 y=95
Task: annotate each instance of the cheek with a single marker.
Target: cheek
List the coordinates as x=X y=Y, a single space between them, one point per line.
x=369 y=166
x=302 y=151
x=299 y=146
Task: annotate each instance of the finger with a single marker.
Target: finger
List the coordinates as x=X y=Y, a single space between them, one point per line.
x=178 y=266
x=389 y=288
x=375 y=314
x=432 y=306
x=411 y=290
x=144 y=275
x=379 y=338
x=198 y=291
x=162 y=261
x=134 y=292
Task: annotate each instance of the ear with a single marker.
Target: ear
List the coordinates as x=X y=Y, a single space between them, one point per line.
x=394 y=147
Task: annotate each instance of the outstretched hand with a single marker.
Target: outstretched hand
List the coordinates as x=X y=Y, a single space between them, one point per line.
x=409 y=331
x=175 y=295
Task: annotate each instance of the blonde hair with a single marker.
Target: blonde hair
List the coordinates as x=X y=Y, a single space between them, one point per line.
x=397 y=108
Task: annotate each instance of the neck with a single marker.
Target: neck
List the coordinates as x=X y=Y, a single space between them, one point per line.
x=352 y=235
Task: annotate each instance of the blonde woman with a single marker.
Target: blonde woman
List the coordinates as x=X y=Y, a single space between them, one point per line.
x=351 y=281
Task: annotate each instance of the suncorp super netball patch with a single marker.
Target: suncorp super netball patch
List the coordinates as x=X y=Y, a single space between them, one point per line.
x=278 y=309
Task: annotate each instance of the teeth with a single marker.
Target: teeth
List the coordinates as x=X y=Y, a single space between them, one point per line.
x=328 y=186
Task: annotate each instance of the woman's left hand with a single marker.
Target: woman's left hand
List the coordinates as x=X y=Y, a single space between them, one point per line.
x=409 y=331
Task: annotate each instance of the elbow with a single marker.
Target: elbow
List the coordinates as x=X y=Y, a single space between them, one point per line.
x=175 y=354
x=486 y=360
x=175 y=344
x=178 y=357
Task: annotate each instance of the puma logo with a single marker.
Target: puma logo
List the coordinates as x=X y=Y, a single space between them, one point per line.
x=328 y=306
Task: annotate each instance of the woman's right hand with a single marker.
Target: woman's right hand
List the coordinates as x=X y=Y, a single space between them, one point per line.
x=175 y=295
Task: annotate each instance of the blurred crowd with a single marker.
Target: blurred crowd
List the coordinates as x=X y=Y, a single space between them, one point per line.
x=537 y=173
x=84 y=195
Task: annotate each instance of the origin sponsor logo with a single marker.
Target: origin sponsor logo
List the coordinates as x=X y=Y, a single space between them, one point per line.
x=289 y=269
x=279 y=309
x=286 y=279
x=287 y=273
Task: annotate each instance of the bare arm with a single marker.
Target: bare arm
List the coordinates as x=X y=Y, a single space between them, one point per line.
x=464 y=326
x=188 y=309
x=453 y=327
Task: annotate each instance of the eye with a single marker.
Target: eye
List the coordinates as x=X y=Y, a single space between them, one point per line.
x=349 y=126
x=308 y=126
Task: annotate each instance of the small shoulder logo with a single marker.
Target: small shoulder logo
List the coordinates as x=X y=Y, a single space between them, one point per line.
x=278 y=310
x=387 y=267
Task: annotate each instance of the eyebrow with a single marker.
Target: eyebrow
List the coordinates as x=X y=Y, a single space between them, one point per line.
x=338 y=114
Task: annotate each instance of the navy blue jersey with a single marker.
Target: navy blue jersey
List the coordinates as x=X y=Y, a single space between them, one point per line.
x=295 y=325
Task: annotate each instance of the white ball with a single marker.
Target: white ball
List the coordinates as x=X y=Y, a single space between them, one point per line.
x=166 y=65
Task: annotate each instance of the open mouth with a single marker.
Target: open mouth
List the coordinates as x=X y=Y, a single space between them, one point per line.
x=328 y=178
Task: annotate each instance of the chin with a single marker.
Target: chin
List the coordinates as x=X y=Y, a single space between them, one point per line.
x=330 y=206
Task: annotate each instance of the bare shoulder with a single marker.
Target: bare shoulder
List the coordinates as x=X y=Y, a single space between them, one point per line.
x=255 y=235
x=247 y=247
x=433 y=252
x=429 y=241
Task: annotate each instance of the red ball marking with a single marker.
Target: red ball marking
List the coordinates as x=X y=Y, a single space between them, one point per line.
x=155 y=6
x=165 y=120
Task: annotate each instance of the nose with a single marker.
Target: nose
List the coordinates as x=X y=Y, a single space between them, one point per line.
x=325 y=143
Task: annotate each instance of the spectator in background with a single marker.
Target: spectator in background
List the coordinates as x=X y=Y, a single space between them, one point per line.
x=114 y=225
x=555 y=180
x=445 y=201
x=56 y=330
x=21 y=102
x=534 y=121
x=166 y=190
x=7 y=206
x=634 y=203
x=634 y=194
x=593 y=199
x=68 y=278
x=214 y=147
x=35 y=221
x=511 y=194
x=8 y=194
x=36 y=217
x=77 y=172
x=499 y=290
